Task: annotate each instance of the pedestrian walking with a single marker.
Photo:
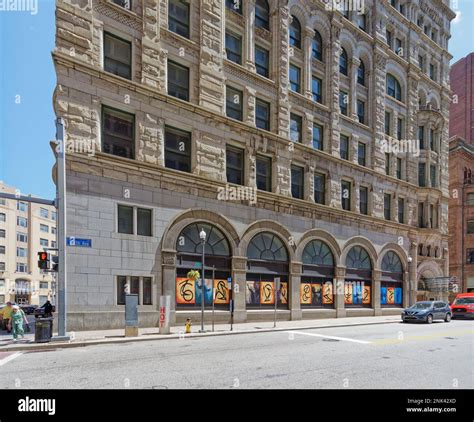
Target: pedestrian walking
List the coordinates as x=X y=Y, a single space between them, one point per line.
x=18 y=316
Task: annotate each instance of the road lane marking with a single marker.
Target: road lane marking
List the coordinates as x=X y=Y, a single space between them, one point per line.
x=10 y=358
x=330 y=337
x=424 y=337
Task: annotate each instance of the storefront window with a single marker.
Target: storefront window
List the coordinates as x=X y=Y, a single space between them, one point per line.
x=189 y=265
x=391 y=290
x=267 y=262
x=316 y=290
x=358 y=283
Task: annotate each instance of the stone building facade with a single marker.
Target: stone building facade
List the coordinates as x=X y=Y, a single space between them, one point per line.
x=25 y=229
x=288 y=131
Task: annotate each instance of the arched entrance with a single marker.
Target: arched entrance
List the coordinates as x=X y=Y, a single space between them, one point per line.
x=316 y=289
x=267 y=259
x=391 y=286
x=428 y=273
x=358 y=282
x=217 y=262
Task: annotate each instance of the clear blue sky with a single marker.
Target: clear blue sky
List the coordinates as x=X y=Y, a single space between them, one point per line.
x=27 y=75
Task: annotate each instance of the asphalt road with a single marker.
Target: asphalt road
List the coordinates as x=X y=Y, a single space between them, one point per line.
x=405 y=356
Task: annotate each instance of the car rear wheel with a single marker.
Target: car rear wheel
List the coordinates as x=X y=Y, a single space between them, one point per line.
x=429 y=319
x=447 y=318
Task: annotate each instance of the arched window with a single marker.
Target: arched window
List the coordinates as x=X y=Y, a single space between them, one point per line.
x=391 y=263
x=267 y=261
x=358 y=282
x=295 y=32
x=317 y=46
x=267 y=247
x=262 y=14
x=316 y=290
x=361 y=74
x=358 y=259
x=318 y=253
x=391 y=287
x=217 y=260
x=394 y=88
x=343 y=62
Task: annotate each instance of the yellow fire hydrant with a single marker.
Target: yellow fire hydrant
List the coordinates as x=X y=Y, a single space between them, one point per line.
x=188 y=326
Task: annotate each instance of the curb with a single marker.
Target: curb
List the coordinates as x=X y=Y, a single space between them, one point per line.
x=34 y=347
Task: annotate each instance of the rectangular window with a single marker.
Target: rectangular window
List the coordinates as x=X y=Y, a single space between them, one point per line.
x=388 y=36
x=387 y=206
x=361 y=111
x=126 y=4
x=121 y=283
x=2 y=250
x=361 y=154
x=44 y=213
x=421 y=174
x=2 y=266
x=295 y=78
x=178 y=81
x=135 y=287
x=364 y=200
x=432 y=139
x=432 y=72
x=343 y=100
x=470 y=199
x=53 y=230
x=44 y=228
x=118 y=133
x=421 y=136
x=399 y=129
x=21 y=252
x=3 y=233
x=344 y=147
x=22 y=206
x=147 y=291
x=318 y=137
x=470 y=226
x=44 y=285
x=401 y=210
x=178 y=17
x=177 y=149
x=3 y=217
x=346 y=193
x=125 y=219
x=469 y=256
x=297 y=182
x=320 y=188
x=296 y=123
x=233 y=47
x=399 y=168
x=53 y=244
x=362 y=21
x=235 y=165
x=22 y=222
x=388 y=119
x=316 y=87
x=262 y=61
x=433 y=176
x=264 y=173
x=387 y=164
x=421 y=216
x=144 y=222
x=44 y=242
x=117 y=56
x=399 y=47
x=21 y=268
x=53 y=215
x=421 y=63
x=262 y=115
x=234 y=103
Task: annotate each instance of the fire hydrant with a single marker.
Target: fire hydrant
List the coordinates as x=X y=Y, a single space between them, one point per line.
x=188 y=326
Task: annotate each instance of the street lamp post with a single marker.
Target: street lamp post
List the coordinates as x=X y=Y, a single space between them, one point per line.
x=202 y=236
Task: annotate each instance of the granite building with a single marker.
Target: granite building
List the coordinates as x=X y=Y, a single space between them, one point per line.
x=309 y=144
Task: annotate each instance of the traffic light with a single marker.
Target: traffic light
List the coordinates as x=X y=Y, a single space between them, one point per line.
x=43 y=260
x=55 y=263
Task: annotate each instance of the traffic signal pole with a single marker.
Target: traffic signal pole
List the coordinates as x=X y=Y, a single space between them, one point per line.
x=61 y=239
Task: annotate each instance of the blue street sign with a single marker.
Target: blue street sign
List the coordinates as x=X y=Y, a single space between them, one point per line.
x=75 y=241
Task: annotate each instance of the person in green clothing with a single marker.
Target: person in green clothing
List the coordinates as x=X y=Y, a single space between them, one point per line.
x=17 y=318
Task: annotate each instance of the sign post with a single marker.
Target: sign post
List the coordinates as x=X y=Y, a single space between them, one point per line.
x=164 y=324
x=213 y=294
x=277 y=290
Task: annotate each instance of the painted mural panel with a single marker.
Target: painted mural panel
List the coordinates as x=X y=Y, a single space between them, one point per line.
x=306 y=293
x=221 y=292
x=185 y=291
x=328 y=298
x=284 y=293
x=267 y=293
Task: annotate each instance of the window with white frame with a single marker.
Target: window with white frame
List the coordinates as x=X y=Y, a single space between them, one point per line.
x=141 y=286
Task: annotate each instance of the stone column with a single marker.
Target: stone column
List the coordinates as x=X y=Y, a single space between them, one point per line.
x=153 y=57
x=249 y=14
x=151 y=140
x=308 y=35
x=339 y=291
x=282 y=63
x=211 y=76
x=376 y=284
x=168 y=259
x=354 y=145
x=379 y=84
x=239 y=288
x=307 y=129
x=412 y=273
x=355 y=63
x=294 y=299
x=250 y=106
x=332 y=49
x=309 y=182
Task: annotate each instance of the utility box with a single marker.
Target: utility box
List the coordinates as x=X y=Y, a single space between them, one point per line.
x=131 y=315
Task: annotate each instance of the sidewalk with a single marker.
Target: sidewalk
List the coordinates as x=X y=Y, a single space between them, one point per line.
x=89 y=338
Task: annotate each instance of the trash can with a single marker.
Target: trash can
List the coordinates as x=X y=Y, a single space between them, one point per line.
x=43 y=330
